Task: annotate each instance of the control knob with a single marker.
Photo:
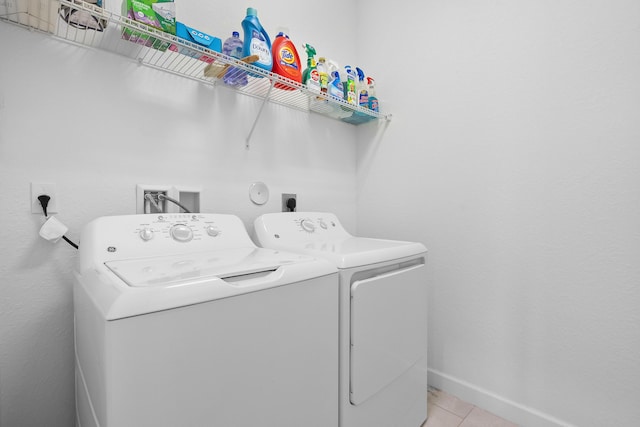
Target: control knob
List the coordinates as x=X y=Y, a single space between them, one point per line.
x=308 y=225
x=181 y=233
x=212 y=231
x=146 y=234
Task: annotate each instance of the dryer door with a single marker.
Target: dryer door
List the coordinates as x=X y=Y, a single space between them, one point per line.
x=388 y=329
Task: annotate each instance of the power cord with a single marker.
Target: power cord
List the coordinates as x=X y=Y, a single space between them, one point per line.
x=174 y=201
x=44 y=202
x=154 y=198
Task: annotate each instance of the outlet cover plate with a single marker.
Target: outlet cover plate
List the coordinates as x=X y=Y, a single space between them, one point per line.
x=287 y=196
x=40 y=188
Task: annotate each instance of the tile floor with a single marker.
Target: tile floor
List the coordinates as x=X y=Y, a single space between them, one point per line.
x=446 y=410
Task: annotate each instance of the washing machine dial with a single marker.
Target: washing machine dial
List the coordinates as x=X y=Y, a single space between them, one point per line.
x=181 y=233
x=323 y=224
x=212 y=231
x=146 y=234
x=308 y=225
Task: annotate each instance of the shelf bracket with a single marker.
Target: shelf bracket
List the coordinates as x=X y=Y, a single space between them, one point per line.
x=255 y=122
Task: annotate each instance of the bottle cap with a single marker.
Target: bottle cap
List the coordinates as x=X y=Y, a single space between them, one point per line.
x=360 y=74
x=282 y=31
x=252 y=12
x=235 y=34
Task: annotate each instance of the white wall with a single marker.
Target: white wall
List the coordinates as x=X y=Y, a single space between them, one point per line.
x=513 y=155
x=96 y=125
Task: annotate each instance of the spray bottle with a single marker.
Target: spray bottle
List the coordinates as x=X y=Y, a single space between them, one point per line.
x=310 y=76
x=350 y=86
x=373 y=100
x=362 y=89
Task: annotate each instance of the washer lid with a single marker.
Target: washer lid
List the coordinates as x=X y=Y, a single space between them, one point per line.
x=359 y=251
x=183 y=269
x=132 y=287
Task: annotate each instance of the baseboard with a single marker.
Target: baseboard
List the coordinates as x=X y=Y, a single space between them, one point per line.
x=520 y=414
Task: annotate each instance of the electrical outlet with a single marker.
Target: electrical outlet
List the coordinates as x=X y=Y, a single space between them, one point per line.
x=285 y=199
x=38 y=189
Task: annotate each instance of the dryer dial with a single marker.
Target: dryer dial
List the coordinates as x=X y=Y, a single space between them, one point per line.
x=308 y=225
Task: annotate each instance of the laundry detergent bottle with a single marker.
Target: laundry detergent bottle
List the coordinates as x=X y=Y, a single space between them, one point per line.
x=286 y=61
x=256 y=41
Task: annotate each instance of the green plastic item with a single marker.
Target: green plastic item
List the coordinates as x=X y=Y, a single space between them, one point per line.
x=311 y=63
x=311 y=76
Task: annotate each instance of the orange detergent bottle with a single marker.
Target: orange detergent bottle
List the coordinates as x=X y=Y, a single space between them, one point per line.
x=286 y=61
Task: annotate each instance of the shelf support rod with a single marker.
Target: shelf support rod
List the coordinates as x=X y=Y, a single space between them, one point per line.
x=255 y=122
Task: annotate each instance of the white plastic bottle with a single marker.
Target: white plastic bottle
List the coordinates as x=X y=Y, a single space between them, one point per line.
x=324 y=74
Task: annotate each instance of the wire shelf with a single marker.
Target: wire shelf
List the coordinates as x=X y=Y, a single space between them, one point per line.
x=156 y=49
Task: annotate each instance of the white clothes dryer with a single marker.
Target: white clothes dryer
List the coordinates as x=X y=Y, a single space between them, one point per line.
x=181 y=320
x=383 y=315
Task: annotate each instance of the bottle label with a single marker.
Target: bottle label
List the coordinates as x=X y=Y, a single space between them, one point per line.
x=336 y=92
x=259 y=47
x=373 y=103
x=363 y=98
x=351 y=97
x=287 y=58
x=314 y=81
x=324 y=82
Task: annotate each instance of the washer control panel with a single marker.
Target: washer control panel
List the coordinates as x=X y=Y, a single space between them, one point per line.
x=179 y=227
x=135 y=236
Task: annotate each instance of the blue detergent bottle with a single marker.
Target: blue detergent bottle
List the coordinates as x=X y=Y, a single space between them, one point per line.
x=256 y=41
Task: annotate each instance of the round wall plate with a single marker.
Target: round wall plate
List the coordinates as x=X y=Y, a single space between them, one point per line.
x=259 y=193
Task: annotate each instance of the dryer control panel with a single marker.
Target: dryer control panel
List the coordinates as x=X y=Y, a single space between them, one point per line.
x=300 y=227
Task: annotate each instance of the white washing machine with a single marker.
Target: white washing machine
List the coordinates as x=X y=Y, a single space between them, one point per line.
x=180 y=320
x=383 y=316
